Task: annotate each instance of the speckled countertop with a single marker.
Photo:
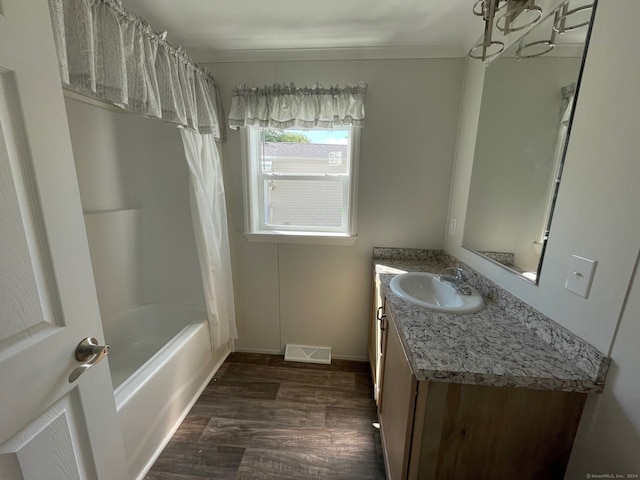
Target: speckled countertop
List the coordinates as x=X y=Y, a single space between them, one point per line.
x=507 y=343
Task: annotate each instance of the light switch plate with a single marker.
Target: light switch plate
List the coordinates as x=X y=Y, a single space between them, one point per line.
x=580 y=275
x=452 y=226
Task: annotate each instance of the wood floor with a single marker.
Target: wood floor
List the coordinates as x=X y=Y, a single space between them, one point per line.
x=262 y=418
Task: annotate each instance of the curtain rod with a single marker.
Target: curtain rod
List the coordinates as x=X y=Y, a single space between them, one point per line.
x=160 y=38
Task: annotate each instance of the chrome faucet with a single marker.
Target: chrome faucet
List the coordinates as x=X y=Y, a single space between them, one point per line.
x=458 y=281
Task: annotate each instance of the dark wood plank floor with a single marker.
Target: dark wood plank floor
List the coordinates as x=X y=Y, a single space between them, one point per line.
x=262 y=418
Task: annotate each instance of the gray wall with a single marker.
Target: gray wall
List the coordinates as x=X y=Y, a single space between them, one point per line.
x=319 y=295
x=596 y=217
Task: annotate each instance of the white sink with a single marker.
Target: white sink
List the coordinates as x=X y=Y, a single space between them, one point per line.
x=426 y=290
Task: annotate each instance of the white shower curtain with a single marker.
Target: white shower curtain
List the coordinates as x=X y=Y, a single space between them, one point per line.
x=209 y=214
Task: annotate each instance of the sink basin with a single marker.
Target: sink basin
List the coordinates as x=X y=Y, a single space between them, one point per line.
x=426 y=290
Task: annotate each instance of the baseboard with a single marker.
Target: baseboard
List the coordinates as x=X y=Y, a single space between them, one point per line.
x=281 y=352
x=351 y=357
x=259 y=350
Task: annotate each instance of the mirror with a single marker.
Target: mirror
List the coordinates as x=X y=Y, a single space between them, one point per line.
x=526 y=108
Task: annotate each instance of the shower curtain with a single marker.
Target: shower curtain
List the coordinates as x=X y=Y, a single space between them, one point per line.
x=209 y=214
x=106 y=52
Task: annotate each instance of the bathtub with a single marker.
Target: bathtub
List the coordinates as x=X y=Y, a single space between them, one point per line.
x=160 y=361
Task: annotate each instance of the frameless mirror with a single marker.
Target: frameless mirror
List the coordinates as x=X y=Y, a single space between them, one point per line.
x=527 y=104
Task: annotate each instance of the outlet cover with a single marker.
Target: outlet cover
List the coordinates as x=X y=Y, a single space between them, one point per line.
x=453 y=223
x=580 y=275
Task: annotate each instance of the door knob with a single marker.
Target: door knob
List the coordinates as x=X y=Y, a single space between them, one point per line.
x=89 y=352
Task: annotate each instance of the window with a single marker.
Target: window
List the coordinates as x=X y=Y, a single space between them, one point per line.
x=300 y=185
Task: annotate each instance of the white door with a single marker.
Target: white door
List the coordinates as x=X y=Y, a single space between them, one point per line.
x=49 y=428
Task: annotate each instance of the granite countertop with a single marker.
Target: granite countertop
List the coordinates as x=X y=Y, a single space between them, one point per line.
x=491 y=347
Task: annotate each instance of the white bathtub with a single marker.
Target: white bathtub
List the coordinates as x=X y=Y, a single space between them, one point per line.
x=160 y=361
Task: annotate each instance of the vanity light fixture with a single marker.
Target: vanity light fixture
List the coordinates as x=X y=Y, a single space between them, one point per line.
x=542 y=47
x=518 y=15
x=487 y=48
x=560 y=22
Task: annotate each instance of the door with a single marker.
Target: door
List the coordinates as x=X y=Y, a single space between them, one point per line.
x=49 y=428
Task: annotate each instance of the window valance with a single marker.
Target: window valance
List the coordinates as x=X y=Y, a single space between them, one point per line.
x=111 y=54
x=285 y=106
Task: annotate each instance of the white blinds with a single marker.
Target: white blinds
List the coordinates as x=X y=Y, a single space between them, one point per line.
x=108 y=53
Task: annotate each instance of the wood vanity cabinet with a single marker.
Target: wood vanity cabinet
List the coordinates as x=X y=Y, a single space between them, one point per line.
x=377 y=327
x=450 y=431
x=396 y=405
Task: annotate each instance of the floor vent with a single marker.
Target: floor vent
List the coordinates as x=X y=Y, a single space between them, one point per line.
x=308 y=354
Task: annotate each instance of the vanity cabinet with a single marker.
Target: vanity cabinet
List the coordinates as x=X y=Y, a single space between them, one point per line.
x=396 y=405
x=377 y=337
x=435 y=430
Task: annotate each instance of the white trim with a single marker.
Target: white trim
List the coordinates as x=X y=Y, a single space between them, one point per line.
x=254 y=225
x=93 y=101
x=303 y=54
x=305 y=238
x=561 y=143
x=354 y=152
x=354 y=358
x=265 y=351
x=247 y=178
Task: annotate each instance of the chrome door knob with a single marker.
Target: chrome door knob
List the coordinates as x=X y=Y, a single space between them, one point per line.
x=89 y=352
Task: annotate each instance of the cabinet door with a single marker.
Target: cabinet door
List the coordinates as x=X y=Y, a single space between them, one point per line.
x=373 y=326
x=483 y=432
x=376 y=327
x=398 y=397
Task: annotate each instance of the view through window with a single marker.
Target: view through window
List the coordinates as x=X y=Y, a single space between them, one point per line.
x=301 y=180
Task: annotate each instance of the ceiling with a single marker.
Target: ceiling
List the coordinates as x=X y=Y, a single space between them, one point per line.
x=212 y=30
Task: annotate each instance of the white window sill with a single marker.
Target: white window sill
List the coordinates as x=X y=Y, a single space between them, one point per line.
x=305 y=238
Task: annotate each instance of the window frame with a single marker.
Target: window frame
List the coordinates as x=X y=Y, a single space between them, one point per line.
x=254 y=226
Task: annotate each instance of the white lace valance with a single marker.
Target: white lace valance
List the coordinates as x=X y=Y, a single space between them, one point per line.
x=108 y=53
x=285 y=106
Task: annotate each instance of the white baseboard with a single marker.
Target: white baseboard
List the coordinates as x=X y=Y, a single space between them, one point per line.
x=259 y=350
x=281 y=352
x=351 y=357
